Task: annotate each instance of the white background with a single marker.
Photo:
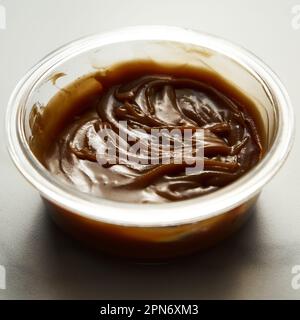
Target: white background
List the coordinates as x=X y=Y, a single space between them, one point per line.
x=41 y=262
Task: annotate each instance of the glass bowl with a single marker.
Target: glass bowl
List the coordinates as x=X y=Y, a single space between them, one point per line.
x=151 y=231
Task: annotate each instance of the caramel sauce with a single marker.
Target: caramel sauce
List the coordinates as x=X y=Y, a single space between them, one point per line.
x=147 y=96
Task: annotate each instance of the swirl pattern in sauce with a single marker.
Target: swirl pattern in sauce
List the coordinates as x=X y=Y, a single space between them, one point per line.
x=148 y=96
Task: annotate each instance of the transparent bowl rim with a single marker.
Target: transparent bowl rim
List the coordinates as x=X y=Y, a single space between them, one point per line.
x=150 y=215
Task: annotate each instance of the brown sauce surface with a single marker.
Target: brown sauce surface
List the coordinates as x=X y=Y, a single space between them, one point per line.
x=147 y=96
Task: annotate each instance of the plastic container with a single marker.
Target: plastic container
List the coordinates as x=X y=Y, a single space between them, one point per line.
x=157 y=231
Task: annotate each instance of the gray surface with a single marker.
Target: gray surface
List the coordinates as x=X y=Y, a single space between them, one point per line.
x=41 y=262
